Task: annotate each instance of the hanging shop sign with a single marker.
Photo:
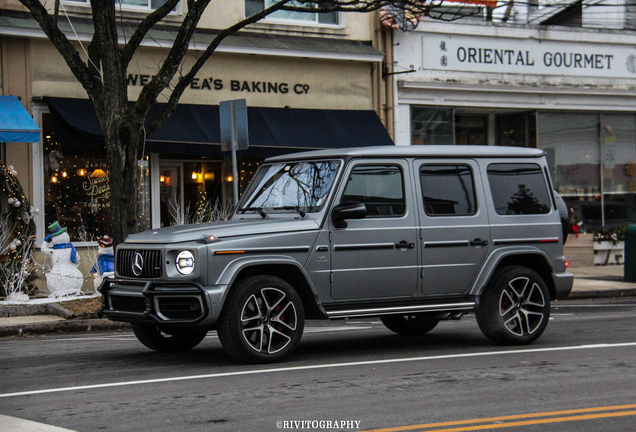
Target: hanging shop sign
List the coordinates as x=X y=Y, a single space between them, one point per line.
x=238 y=86
x=527 y=56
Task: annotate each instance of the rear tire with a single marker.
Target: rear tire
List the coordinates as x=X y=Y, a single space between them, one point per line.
x=262 y=320
x=514 y=309
x=168 y=340
x=410 y=325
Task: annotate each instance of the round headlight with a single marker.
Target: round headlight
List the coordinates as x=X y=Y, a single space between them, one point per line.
x=185 y=262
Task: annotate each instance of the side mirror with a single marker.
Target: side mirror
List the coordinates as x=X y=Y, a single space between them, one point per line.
x=347 y=210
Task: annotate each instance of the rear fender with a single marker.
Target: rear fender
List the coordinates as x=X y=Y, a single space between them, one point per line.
x=524 y=254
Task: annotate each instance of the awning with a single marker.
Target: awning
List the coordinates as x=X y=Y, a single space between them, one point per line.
x=194 y=129
x=16 y=125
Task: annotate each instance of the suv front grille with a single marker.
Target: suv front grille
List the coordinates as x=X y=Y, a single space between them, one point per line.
x=151 y=266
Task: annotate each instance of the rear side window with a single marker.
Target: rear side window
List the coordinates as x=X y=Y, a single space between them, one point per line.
x=379 y=187
x=447 y=190
x=518 y=189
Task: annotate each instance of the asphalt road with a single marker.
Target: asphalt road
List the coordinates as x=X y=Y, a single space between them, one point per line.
x=353 y=374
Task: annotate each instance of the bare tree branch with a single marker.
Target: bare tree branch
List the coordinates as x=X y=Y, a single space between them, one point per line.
x=77 y=66
x=144 y=27
x=186 y=79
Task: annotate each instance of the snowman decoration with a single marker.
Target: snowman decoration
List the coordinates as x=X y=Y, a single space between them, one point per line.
x=64 y=279
x=105 y=265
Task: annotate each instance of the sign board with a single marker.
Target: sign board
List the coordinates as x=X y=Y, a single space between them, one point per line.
x=233 y=120
x=527 y=56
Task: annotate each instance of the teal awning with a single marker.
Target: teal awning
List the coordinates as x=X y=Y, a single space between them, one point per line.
x=16 y=125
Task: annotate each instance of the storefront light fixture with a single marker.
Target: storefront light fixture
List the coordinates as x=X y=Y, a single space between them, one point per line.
x=165 y=179
x=64 y=174
x=81 y=172
x=98 y=173
x=229 y=179
x=197 y=172
x=54 y=178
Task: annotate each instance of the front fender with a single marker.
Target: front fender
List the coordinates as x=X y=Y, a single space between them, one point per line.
x=233 y=269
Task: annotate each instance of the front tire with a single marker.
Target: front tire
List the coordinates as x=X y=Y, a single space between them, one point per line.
x=168 y=340
x=515 y=307
x=410 y=325
x=262 y=320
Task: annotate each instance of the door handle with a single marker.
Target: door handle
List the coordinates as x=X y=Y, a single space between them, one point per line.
x=405 y=245
x=479 y=242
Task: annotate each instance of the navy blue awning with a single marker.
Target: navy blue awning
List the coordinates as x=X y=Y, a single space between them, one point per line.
x=16 y=125
x=194 y=129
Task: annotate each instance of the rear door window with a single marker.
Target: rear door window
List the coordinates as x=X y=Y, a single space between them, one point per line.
x=448 y=190
x=518 y=189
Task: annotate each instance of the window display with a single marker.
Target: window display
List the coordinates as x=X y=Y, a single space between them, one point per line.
x=77 y=189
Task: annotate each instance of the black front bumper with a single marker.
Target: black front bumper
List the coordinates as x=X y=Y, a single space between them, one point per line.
x=155 y=302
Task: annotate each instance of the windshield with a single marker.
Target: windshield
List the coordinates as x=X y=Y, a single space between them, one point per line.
x=293 y=186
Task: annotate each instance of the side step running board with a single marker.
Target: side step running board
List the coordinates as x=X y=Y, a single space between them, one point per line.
x=395 y=310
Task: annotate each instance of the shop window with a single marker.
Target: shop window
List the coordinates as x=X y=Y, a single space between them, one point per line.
x=380 y=188
x=516 y=130
x=592 y=161
x=518 y=189
x=191 y=192
x=77 y=190
x=471 y=130
x=448 y=190
x=431 y=126
x=127 y=4
x=326 y=18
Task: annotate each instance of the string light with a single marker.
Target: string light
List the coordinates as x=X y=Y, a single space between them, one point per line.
x=17 y=236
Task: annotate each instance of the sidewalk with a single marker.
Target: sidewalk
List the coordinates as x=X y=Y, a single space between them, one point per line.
x=600 y=281
x=589 y=282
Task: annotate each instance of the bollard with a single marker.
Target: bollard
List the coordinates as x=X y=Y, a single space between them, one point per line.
x=630 y=254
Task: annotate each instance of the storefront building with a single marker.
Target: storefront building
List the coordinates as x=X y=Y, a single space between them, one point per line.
x=310 y=82
x=567 y=90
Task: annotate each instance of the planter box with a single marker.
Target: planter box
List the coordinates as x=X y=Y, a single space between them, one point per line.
x=606 y=252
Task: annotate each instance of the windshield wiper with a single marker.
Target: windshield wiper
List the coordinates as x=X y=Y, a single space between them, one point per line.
x=297 y=209
x=259 y=210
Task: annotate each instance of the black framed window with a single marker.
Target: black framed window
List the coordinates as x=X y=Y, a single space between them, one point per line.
x=379 y=187
x=518 y=189
x=448 y=190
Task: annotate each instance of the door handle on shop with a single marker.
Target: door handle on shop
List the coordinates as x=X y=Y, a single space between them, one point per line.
x=479 y=242
x=405 y=245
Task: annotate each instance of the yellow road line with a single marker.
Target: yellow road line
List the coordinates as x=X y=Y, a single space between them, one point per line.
x=519 y=416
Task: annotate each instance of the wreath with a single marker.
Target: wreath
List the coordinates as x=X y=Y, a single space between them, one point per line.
x=17 y=236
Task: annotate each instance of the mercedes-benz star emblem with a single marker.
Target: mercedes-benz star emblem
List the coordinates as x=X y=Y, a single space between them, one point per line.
x=138 y=264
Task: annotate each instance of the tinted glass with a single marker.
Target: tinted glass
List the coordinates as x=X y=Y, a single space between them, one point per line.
x=448 y=190
x=290 y=186
x=518 y=189
x=379 y=187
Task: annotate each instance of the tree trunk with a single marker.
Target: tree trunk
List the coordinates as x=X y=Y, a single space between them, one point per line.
x=123 y=145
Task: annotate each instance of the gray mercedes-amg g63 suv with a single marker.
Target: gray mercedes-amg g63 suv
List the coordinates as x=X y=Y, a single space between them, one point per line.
x=412 y=235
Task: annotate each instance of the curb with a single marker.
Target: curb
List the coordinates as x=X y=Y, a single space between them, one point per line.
x=68 y=326
x=606 y=293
